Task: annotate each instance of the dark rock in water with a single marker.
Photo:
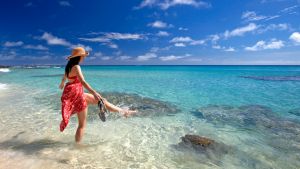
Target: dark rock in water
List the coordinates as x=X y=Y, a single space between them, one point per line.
x=147 y=107
x=209 y=151
x=244 y=116
x=197 y=140
x=198 y=114
x=204 y=145
x=2 y=66
x=273 y=78
x=295 y=112
x=209 y=148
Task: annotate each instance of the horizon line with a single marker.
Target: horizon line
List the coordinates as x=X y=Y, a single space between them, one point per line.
x=151 y=65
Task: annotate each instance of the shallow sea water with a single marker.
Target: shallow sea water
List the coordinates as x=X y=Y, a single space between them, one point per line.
x=255 y=121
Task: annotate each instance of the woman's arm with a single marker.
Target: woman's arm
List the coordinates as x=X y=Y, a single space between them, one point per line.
x=62 y=84
x=85 y=84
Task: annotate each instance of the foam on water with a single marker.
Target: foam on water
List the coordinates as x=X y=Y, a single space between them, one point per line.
x=5 y=70
x=3 y=86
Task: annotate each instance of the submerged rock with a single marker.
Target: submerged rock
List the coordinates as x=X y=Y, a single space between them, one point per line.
x=295 y=112
x=203 y=146
x=147 y=107
x=209 y=151
x=244 y=116
x=197 y=140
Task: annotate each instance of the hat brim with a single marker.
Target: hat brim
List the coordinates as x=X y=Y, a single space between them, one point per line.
x=73 y=56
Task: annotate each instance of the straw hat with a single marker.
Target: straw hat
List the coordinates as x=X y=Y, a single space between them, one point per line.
x=78 y=51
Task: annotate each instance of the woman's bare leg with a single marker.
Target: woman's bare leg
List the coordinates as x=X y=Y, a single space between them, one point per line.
x=91 y=100
x=81 y=125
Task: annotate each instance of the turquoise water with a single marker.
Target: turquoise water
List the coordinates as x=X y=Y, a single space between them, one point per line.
x=265 y=135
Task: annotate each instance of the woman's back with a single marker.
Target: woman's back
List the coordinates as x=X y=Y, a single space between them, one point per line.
x=72 y=74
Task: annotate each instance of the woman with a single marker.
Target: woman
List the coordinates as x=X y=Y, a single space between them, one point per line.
x=74 y=100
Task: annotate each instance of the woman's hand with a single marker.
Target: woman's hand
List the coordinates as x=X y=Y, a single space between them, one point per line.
x=62 y=85
x=97 y=96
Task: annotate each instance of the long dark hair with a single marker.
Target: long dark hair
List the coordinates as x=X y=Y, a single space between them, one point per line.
x=72 y=62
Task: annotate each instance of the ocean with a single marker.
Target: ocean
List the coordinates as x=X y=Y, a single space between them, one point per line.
x=251 y=112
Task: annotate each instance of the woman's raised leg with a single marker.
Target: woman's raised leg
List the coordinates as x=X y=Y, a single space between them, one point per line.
x=91 y=100
x=113 y=108
x=81 y=124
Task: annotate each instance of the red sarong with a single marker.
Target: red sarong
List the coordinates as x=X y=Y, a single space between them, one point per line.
x=72 y=101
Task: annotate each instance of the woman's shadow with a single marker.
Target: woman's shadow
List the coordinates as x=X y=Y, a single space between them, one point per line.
x=30 y=148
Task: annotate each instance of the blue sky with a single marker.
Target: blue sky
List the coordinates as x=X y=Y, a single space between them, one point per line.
x=146 y=32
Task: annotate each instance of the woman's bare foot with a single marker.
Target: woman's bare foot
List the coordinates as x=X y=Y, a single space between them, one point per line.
x=126 y=113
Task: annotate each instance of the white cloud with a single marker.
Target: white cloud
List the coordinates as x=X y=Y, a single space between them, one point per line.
x=197 y=42
x=162 y=33
x=295 y=37
x=216 y=47
x=106 y=58
x=13 y=44
x=95 y=56
x=179 y=45
x=8 y=55
x=214 y=38
x=272 y=27
x=87 y=48
x=241 y=30
x=289 y=9
x=159 y=24
x=123 y=36
x=146 y=3
x=64 y=3
x=113 y=45
x=108 y=37
x=230 y=49
x=262 y=45
x=98 y=54
x=170 y=58
x=45 y=57
x=146 y=57
x=181 y=39
x=36 y=47
x=154 y=49
x=96 y=39
x=124 y=57
x=53 y=40
x=250 y=16
x=183 y=29
x=166 y=4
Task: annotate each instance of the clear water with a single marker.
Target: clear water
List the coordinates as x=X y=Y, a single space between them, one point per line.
x=29 y=128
